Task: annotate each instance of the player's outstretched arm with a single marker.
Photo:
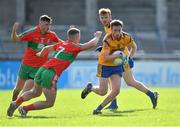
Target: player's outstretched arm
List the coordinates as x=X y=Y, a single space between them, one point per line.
x=14 y=35
x=133 y=50
x=93 y=42
x=45 y=50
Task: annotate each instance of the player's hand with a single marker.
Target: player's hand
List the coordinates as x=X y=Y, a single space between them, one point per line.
x=98 y=34
x=38 y=54
x=15 y=26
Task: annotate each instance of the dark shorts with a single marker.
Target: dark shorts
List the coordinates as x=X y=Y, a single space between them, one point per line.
x=107 y=71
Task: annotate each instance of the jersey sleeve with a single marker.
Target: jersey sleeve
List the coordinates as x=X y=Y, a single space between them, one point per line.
x=26 y=35
x=55 y=46
x=131 y=42
x=56 y=38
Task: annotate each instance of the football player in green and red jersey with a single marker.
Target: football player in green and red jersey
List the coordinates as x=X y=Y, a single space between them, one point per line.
x=37 y=38
x=46 y=77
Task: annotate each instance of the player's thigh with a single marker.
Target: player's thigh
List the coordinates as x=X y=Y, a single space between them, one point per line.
x=128 y=77
x=20 y=83
x=28 y=85
x=103 y=83
x=116 y=82
x=36 y=89
x=50 y=95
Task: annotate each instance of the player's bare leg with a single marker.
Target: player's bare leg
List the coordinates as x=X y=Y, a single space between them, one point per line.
x=113 y=105
x=50 y=95
x=115 y=80
x=25 y=97
x=101 y=90
x=130 y=81
x=29 y=84
x=19 y=86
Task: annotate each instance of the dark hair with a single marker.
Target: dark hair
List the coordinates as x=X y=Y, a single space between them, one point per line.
x=45 y=18
x=116 y=22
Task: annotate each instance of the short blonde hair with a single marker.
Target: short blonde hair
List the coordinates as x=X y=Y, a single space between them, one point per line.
x=104 y=11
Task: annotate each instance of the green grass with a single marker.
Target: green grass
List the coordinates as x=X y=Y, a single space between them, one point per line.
x=135 y=109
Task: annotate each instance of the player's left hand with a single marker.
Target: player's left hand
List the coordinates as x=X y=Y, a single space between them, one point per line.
x=98 y=34
x=38 y=54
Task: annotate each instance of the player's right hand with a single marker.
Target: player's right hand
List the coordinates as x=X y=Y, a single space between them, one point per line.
x=16 y=25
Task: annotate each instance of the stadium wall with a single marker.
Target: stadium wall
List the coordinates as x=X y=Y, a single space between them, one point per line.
x=152 y=73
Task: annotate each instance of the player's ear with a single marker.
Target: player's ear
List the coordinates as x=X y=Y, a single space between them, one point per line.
x=110 y=16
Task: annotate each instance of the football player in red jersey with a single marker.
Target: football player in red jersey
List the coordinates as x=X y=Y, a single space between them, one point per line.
x=36 y=37
x=46 y=77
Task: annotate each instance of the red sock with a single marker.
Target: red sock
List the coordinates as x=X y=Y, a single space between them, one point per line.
x=19 y=100
x=29 y=107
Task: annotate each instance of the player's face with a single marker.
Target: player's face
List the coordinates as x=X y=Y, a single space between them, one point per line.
x=78 y=38
x=105 y=19
x=45 y=26
x=116 y=31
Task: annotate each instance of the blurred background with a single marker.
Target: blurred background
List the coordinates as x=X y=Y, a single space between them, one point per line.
x=154 y=25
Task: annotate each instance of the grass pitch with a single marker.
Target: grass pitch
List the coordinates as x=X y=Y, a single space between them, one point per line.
x=135 y=109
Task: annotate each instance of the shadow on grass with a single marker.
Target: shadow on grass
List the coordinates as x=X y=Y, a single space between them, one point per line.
x=36 y=117
x=115 y=113
x=129 y=111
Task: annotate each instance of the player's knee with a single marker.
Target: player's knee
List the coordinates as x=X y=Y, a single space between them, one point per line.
x=50 y=104
x=34 y=92
x=116 y=92
x=130 y=83
x=37 y=94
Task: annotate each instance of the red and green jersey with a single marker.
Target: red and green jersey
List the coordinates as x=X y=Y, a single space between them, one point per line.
x=36 y=41
x=64 y=55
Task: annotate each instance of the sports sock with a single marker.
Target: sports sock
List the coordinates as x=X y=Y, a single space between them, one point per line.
x=19 y=100
x=150 y=94
x=113 y=102
x=29 y=107
x=99 y=108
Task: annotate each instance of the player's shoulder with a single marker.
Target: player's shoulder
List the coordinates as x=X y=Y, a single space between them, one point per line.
x=28 y=31
x=126 y=35
x=52 y=33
